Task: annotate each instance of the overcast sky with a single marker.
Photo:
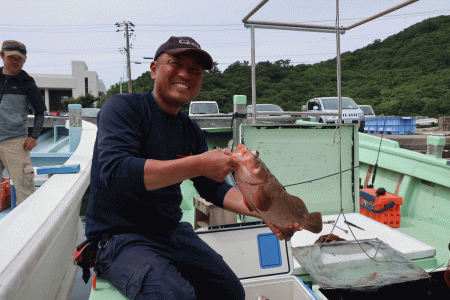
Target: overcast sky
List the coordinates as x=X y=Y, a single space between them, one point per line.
x=56 y=32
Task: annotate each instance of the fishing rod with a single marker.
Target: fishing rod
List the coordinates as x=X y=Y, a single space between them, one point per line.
x=378 y=155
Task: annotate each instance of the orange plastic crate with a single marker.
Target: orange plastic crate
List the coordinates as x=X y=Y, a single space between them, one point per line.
x=384 y=208
x=5 y=194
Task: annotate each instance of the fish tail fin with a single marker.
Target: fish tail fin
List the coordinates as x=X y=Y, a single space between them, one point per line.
x=314 y=222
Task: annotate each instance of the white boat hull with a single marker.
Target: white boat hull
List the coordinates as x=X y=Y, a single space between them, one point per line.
x=38 y=237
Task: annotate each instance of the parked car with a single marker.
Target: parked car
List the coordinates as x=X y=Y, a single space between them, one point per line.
x=351 y=113
x=270 y=113
x=264 y=108
x=203 y=108
x=424 y=121
x=368 y=113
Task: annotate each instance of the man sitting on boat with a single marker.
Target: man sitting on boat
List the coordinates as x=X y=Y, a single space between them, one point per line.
x=145 y=148
x=17 y=92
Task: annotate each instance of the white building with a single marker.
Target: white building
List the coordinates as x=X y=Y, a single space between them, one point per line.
x=55 y=87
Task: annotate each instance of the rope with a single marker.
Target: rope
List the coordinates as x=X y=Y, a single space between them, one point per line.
x=235 y=116
x=312 y=180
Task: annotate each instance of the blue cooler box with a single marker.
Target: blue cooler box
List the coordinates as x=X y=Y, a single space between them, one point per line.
x=263 y=263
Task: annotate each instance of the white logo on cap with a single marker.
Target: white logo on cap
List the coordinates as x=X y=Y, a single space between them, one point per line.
x=189 y=43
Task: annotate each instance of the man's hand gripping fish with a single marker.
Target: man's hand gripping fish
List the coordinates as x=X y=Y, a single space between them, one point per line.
x=264 y=194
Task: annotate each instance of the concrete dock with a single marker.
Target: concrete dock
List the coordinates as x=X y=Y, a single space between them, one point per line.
x=219 y=121
x=415 y=142
x=418 y=141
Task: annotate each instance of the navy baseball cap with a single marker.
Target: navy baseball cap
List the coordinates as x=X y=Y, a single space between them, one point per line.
x=183 y=44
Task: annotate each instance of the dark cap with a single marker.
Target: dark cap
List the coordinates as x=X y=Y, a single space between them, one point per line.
x=183 y=44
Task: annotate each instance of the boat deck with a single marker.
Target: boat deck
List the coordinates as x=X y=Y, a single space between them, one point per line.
x=4 y=212
x=38 y=181
x=418 y=142
x=431 y=234
x=52 y=149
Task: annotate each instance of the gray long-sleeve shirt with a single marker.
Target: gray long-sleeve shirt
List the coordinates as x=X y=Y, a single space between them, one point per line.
x=17 y=94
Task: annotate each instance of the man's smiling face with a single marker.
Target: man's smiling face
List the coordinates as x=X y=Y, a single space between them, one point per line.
x=178 y=79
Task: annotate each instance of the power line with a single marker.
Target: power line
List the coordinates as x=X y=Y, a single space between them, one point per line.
x=55 y=28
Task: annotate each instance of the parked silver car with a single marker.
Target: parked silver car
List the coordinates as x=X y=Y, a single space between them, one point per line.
x=264 y=108
x=351 y=113
x=269 y=113
x=368 y=113
x=424 y=121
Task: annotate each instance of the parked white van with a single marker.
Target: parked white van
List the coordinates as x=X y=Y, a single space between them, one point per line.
x=351 y=113
x=203 y=108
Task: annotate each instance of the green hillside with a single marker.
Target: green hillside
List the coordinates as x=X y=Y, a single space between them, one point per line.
x=407 y=74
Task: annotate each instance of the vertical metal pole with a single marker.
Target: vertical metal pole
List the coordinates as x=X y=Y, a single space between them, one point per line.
x=120 y=88
x=252 y=33
x=338 y=62
x=239 y=106
x=130 y=89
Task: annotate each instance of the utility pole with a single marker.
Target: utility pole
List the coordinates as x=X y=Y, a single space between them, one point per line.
x=127 y=34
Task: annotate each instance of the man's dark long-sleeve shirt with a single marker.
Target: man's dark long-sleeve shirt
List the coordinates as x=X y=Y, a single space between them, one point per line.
x=131 y=129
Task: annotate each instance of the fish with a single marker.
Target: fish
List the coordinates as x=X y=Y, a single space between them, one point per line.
x=264 y=194
x=328 y=238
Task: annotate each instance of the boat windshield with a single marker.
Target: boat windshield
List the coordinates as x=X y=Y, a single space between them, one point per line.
x=332 y=103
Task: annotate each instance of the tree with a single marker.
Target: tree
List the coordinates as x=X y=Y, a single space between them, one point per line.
x=65 y=102
x=85 y=101
x=407 y=73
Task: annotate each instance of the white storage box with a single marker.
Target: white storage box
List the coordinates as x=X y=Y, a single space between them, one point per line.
x=263 y=263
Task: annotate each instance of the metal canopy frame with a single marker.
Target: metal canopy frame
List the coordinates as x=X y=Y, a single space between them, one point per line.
x=307 y=27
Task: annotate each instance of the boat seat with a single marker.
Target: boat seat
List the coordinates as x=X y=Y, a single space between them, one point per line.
x=105 y=290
